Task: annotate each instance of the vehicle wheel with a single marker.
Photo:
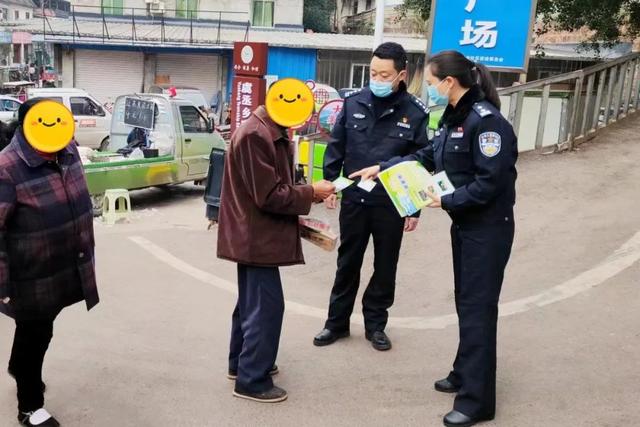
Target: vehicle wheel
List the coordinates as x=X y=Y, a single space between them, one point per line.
x=104 y=144
x=96 y=204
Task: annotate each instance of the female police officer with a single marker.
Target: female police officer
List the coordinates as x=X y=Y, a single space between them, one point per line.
x=477 y=148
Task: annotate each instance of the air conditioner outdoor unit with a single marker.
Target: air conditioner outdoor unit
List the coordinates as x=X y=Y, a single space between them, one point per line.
x=158 y=7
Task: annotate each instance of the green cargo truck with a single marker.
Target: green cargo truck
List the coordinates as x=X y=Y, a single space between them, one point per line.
x=182 y=134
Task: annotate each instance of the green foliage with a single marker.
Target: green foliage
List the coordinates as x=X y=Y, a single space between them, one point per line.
x=317 y=15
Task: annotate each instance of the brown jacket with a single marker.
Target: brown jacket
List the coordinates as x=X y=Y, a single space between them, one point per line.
x=258 y=222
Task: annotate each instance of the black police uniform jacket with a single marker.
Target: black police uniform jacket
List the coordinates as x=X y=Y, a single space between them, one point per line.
x=359 y=139
x=478 y=149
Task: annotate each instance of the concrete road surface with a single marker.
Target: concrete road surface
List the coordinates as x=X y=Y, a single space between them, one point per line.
x=153 y=353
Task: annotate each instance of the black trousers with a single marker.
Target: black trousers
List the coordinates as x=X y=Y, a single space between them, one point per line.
x=480 y=255
x=30 y=343
x=256 y=326
x=357 y=224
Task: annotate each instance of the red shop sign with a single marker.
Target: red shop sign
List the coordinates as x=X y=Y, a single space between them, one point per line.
x=250 y=59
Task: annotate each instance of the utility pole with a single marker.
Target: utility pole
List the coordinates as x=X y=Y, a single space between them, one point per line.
x=378 y=35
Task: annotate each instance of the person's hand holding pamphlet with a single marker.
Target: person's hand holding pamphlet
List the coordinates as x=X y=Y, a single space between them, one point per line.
x=407 y=183
x=342 y=183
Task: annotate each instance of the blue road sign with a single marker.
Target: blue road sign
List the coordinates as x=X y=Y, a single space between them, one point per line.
x=496 y=33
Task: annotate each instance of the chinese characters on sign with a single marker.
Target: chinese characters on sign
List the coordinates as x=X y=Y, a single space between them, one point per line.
x=493 y=32
x=248 y=94
x=483 y=34
x=245 y=69
x=470 y=6
x=139 y=113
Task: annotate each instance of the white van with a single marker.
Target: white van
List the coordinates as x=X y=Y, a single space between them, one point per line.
x=93 y=122
x=189 y=93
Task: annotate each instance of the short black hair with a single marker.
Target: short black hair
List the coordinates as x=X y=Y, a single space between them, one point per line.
x=394 y=51
x=25 y=107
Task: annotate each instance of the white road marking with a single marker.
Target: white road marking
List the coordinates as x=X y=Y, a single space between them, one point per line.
x=623 y=258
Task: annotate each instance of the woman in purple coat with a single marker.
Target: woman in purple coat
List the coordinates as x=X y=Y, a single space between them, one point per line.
x=46 y=253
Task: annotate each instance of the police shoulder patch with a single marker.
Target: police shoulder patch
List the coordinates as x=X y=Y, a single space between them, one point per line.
x=490 y=144
x=421 y=105
x=482 y=110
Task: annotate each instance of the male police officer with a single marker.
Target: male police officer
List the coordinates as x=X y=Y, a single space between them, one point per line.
x=376 y=124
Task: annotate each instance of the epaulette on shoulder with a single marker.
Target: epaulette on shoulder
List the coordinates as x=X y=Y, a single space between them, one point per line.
x=353 y=93
x=482 y=109
x=421 y=105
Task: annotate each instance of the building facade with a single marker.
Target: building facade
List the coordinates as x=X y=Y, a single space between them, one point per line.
x=16 y=10
x=358 y=17
x=260 y=13
x=16 y=47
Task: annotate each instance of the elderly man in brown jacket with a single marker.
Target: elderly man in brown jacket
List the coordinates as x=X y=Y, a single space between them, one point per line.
x=258 y=229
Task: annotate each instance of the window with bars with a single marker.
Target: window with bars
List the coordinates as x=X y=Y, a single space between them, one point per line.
x=262 y=14
x=359 y=75
x=113 y=7
x=187 y=9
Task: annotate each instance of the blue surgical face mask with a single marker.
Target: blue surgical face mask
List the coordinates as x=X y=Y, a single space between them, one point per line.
x=436 y=97
x=382 y=89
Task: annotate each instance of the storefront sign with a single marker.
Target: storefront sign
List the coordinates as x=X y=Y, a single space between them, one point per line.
x=250 y=59
x=20 y=37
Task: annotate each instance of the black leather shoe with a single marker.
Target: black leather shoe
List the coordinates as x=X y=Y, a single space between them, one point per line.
x=275 y=395
x=379 y=340
x=446 y=386
x=44 y=386
x=458 y=419
x=328 y=337
x=233 y=373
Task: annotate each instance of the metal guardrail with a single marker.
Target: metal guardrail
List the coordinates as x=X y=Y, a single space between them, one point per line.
x=114 y=17
x=601 y=95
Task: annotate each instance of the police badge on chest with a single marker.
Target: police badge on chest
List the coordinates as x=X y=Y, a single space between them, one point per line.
x=404 y=123
x=459 y=133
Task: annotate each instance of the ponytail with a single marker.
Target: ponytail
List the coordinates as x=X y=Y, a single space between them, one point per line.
x=487 y=85
x=468 y=73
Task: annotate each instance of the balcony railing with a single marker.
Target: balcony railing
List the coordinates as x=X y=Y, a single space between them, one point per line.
x=117 y=25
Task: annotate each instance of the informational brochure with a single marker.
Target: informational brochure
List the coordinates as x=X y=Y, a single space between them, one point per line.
x=407 y=184
x=342 y=183
x=367 y=185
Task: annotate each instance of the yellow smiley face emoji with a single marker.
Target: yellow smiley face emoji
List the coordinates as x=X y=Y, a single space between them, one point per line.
x=289 y=102
x=48 y=126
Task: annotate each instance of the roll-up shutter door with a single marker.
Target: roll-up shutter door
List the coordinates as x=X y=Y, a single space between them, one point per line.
x=108 y=74
x=199 y=71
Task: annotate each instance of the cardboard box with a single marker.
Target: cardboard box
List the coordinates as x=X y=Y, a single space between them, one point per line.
x=319 y=233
